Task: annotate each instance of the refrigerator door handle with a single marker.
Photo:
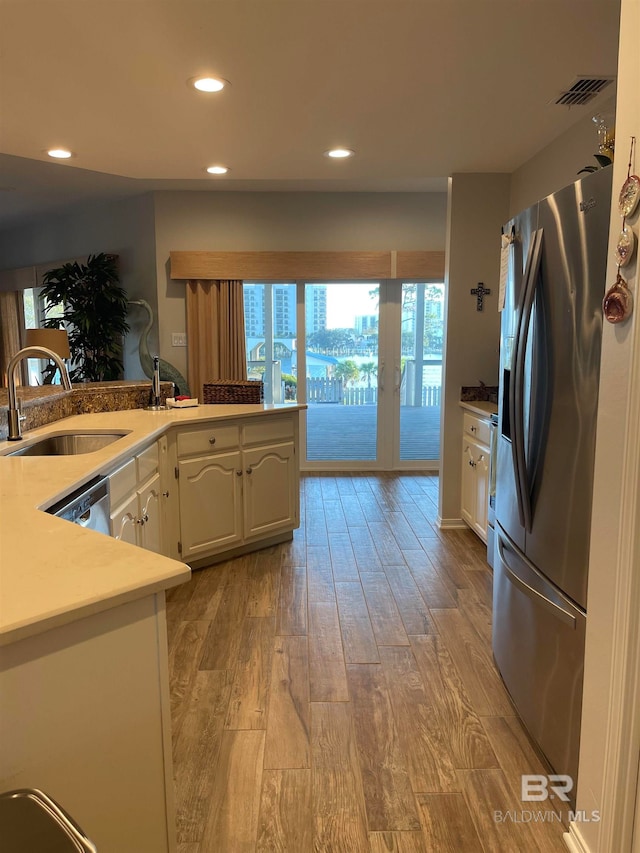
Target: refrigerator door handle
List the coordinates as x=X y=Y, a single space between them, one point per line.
x=519 y=437
x=543 y=596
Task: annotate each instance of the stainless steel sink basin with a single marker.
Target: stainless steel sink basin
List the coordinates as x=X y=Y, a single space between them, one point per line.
x=67 y=444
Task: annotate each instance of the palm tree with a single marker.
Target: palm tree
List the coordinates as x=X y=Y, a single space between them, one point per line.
x=367 y=370
x=347 y=370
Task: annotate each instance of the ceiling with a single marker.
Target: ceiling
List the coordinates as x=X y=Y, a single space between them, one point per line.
x=420 y=89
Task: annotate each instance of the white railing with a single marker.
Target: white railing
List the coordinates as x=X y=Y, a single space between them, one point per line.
x=320 y=390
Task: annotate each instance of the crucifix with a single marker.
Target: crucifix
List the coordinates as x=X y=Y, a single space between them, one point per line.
x=480 y=292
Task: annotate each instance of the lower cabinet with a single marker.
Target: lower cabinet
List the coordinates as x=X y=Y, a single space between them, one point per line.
x=475 y=475
x=210 y=503
x=245 y=492
x=85 y=715
x=270 y=498
x=136 y=494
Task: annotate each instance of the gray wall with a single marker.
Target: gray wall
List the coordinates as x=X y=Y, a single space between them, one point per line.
x=478 y=205
x=124 y=228
x=558 y=164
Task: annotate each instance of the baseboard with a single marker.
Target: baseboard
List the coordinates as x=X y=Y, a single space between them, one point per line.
x=450 y=523
x=249 y=548
x=574 y=841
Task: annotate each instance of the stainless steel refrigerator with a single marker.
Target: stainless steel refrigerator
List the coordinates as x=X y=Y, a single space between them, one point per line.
x=551 y=330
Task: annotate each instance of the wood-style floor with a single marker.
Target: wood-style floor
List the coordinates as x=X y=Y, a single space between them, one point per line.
x=337 y=694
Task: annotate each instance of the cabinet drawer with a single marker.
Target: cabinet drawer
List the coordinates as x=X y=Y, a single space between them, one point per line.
x=267 y=430
x=476 y=427
x=208 y=439
x=122 y=482
x=147 y=462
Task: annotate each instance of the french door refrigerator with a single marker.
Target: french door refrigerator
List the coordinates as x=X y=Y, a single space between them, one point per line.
x=551 y=329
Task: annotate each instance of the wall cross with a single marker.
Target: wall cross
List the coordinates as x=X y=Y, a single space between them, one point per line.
x=480 y=292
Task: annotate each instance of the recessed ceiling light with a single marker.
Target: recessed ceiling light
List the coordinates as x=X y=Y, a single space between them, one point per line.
x=218 y=170
x=208 y=84
x=59 y=153
x=339 y=153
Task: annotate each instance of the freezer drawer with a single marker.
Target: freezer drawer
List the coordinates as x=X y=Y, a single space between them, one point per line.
x=538 y=646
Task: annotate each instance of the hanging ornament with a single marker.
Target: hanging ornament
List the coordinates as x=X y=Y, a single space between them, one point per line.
x=629 y=195
x=618 y=303
x=625 y=246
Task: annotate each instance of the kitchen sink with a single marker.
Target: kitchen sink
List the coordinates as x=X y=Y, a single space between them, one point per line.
x=67 y=444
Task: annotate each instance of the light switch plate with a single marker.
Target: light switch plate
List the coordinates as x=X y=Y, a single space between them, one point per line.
x=178 y=339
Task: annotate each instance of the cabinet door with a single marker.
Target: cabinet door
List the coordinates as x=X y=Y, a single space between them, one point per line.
x=124 y=521
x=468 y=489
x=150 y=510
x=481 y=491
x=210 y=503
x=270 y=490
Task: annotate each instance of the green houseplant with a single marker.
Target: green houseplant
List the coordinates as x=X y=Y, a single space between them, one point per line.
x=94 y=314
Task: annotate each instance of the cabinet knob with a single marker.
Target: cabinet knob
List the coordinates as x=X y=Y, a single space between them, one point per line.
x=165 y=494
x=249 y=470
x=472 y=428
x=239 y=473
x=212 y=440
x=472 y=463
x=140 y=520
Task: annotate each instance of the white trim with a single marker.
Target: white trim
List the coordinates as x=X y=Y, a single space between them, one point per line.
x=622 y=751
x=574 y=840
x=451 y=523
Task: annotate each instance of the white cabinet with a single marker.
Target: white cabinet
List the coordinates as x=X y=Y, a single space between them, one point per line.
x=85 y=714
x=245 y=492
x=210 y=503
x=475 y=474
x=136 y=500
x=270 y=490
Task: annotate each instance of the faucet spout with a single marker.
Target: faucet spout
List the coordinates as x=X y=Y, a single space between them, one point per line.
x=15 y=429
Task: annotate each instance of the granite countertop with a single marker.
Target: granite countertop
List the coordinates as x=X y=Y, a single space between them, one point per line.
x=53 y=572
x=44 y=404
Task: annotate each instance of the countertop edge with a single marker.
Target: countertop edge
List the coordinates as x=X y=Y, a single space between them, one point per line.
x=482 y=408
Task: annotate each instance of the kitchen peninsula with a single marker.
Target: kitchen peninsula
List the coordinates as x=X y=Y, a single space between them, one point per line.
x=83 y=678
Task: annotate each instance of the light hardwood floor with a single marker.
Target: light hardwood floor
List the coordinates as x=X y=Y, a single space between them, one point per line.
x=337 y=694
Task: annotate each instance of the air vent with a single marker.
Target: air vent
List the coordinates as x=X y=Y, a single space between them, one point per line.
x=583 y=90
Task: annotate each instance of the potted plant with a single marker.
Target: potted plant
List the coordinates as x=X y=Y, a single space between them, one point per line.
x=94 y=314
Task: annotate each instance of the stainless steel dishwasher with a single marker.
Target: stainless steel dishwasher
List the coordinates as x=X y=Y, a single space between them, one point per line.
x=87 y=506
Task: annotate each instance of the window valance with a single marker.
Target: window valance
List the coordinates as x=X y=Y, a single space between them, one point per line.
x=308 y=266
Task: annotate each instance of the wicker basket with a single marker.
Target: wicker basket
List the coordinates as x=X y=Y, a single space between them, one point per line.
x=233 y=391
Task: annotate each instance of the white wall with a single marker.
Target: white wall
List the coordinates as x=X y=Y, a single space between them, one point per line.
x=222 y=221
x=478 y=206
x=124 y=228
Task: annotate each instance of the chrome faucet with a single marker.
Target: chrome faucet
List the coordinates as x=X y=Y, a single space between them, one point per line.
x=14 y=417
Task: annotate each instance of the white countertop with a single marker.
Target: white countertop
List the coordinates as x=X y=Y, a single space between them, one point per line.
x=480 y=407
x=52 y=571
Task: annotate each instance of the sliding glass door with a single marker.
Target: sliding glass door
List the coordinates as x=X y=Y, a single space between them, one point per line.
x=419 y=399
x=366 y=358
x=342 y=366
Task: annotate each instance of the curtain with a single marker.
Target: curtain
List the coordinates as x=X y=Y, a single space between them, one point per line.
x=215 y=332
x=11 y=325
